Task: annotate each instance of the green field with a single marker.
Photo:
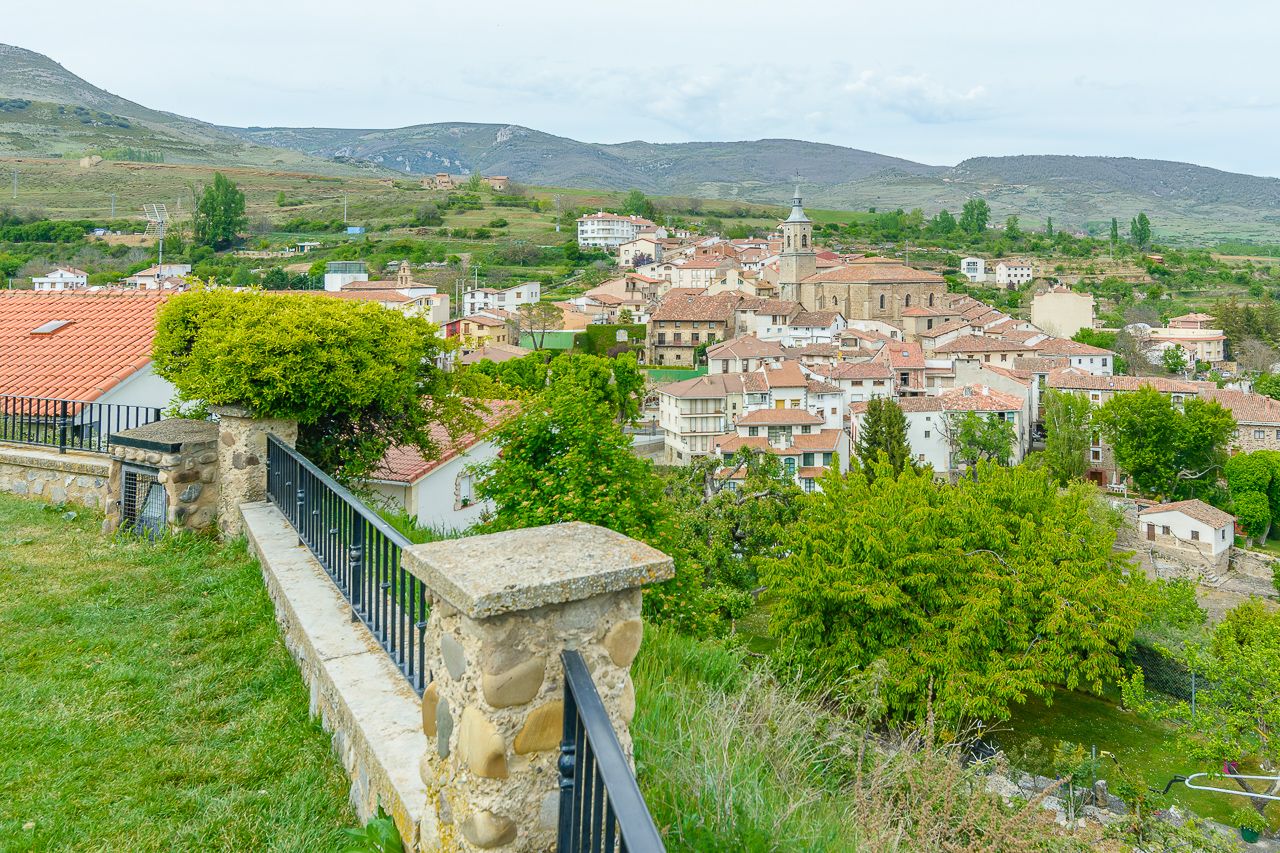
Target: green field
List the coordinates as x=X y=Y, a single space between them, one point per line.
x=148 y=701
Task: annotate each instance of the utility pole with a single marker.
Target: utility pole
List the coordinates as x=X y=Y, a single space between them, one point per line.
x=344 y=207
x=15 y=183
x=113 y=205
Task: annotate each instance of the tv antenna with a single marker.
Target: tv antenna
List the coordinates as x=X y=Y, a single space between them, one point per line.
x=157 y=219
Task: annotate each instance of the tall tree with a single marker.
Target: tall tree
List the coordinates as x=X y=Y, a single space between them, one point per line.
x=943 y=223
x=1115 y=231
x=638 y=204
x=1140 y=231
x=883 y=431
x=1168 y=452
x=1068 y=435
x=219 y=213
x=1048 y=227
x=1174 y=360
x=1011 y=227
x=974 y=216
x=974 y=596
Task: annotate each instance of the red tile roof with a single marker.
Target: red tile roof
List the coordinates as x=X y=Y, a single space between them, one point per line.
x=1197 y=509
x=877 y=271
x=408 y=465
x=762 y=417
x=1072 y=379
x=1246 y=407
x=107 y=341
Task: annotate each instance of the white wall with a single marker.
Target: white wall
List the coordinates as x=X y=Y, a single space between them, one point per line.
x=143 y=388
x=1181 y=526
x=433 y=499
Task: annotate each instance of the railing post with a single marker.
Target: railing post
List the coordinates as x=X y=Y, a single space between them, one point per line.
x=242 y=454
x=566 y=766
x=503 y=608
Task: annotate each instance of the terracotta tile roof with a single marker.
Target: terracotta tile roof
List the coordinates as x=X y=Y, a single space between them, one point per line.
x=601 y=215
x=777 y=307
x=1067 y=347
x=855 y=370
x=762 y=417
x=980 y=343
x=707 y=262
x=876 y=271
x=944 y=328
x=1036 y=364
x=785 y=375
x=1193 y=317
x=1197 y=509
x=811 y=472
x=814 y=349
x=732 y=442
x=1246 y=407
x=824 y=440
x=902 y=355
x=719 y=307
x=408 y=465
x=494 y=352
x=108 y=340
x=714 y=385
x=817 y=386
x=1074 y=379
x=816 y=319
x=482 y=320
x=746 y=346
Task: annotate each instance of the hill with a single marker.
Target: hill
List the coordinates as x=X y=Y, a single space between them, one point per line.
x=45 y=110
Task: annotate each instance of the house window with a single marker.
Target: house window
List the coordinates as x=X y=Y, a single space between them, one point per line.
x=462 y=490
x=805 y=429
x=930 y=300
x=753 y=431
x=694 y=337
x=807 y=460
x=906 y=301
x=1095 y=455
x=1195 y=536
x=882 y=302
x=1096 y=397
x=920 y=457
x=1164 y=528
x=927 y=433
x=1259 y=433
x=662 y=338
x=807 y=485
x=1223 y=534
x=826 y=459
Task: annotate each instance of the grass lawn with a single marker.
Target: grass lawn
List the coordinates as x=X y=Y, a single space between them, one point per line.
x=148 y=701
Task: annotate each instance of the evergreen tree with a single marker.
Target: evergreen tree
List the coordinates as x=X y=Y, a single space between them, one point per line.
x=1115 y=232
x=883 y=431
x=1048 y=227
x=1011 y=228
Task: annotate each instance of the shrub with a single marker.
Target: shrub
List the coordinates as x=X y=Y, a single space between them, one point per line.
x=357 y=377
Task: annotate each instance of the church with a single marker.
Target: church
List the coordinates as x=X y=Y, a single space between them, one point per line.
x=862 y=289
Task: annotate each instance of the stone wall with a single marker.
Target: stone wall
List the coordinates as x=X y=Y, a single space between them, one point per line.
x=185 y=456
x=58 y=478
x=503 y=608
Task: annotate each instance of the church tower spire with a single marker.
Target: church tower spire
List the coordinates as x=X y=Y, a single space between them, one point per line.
x=799 y=259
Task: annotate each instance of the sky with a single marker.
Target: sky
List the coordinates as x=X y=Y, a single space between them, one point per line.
x=931 y=81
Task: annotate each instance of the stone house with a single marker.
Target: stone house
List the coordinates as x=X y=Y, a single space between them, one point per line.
x=1257 y=418
x=680 y=324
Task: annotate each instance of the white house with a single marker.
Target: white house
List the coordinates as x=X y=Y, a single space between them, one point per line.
x=609 y=230
x=152 y=278
x=503 y=299
x=974 y=269
x=1189 y=526
x=440 y=493
x=1014 y=273
x=338 y=274
x=63 y=278
x=645 y=249
x=929 y=422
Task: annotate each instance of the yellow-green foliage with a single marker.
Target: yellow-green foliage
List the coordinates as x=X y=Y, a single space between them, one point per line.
x=355 y=376
x=975 y=595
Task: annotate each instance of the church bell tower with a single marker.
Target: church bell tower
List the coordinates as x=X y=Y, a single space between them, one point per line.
x=798 y=260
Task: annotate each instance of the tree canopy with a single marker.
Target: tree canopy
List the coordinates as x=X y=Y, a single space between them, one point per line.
x=974 y=216
x=976 y=596
x=357 y=377
x=219 y=213
x=1068 y=436
x=977 y=437
x=1171 y=452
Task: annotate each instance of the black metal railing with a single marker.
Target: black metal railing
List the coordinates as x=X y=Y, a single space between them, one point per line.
x=68 y=424
x=601 y=807
x=359 y=550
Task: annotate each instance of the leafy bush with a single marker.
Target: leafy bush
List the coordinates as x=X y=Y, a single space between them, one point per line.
x=599 y=339
x=1254 y=513
x=357 y=377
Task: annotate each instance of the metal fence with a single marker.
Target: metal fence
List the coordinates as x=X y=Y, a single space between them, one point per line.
x=359 y=550
x=68 y=424
x=601 y=807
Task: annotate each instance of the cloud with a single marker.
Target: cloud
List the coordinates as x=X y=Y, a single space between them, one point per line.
x=919 y=97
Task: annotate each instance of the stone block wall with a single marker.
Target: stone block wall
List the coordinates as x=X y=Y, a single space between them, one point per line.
x=58 y=478
x=185 y=454
x=503 y=608
x=242 y=452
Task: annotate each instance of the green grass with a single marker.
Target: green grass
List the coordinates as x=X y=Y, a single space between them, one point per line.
x=148 y=701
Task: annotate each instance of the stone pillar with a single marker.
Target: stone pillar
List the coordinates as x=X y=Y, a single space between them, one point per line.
x=503 y=607
x=242 y=461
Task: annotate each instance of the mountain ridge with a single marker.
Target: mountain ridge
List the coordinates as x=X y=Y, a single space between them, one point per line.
x=51 y=111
